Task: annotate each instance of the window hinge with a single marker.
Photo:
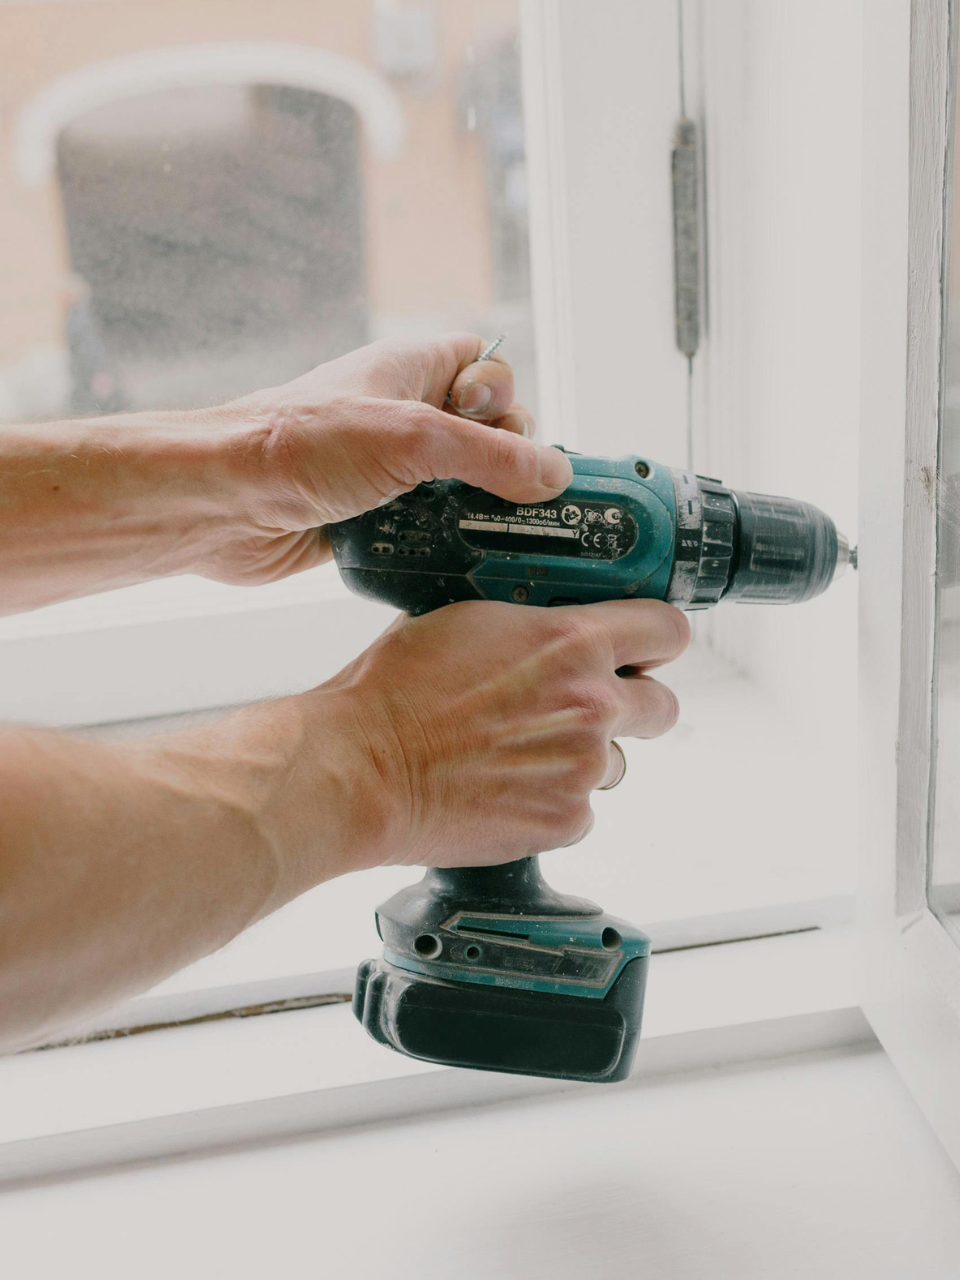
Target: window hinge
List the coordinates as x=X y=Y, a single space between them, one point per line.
x=685 y=166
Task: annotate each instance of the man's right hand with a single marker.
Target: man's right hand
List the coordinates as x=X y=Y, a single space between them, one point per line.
x=471 y=736
x=487 y=726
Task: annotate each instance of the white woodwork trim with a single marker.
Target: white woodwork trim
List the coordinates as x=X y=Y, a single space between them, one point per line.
x=929 y=131
x=409 y=1096
x=601 y=103
x=910 y=968
x=666 y=937
x=237 y=1081
x=98 y=84
x=543 y=105
x=157 y=654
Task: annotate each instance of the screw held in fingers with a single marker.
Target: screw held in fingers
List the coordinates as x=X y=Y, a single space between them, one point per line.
x=485 y=354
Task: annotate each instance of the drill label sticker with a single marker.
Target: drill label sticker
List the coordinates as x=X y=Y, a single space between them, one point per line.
x=582 y=530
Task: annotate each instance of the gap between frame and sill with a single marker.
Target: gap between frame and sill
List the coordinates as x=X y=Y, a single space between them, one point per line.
x=305 y=990
x=235 y=1081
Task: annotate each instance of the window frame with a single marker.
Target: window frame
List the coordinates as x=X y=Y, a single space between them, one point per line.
x=792 y=994
x=218 y=648
x=910 y=968
x=232 y=1082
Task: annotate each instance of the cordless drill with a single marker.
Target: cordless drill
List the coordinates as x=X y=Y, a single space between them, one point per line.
x=488 y=967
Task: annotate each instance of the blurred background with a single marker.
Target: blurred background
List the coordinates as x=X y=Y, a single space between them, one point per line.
x=203 y=197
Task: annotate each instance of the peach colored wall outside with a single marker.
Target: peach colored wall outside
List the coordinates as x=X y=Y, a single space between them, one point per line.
x=427 y=238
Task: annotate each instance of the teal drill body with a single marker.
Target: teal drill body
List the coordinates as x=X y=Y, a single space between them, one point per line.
x=563 y=955
x=625 y=528
x=489 y=967
x=611 y=534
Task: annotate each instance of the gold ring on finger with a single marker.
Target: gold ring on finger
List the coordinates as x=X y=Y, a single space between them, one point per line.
x=623 y=769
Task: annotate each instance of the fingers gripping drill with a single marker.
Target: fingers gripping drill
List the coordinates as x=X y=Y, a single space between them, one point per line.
x=489 y=967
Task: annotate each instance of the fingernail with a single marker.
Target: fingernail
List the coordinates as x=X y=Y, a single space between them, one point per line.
x=555 y=469
x=474 y=398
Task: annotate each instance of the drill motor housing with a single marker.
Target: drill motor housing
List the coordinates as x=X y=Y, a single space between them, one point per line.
x=625 y=528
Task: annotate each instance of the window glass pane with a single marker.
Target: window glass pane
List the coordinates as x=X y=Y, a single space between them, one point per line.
x=200 y=199
x=944 y=862
x=206 y=198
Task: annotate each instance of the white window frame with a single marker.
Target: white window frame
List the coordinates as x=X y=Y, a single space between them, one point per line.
x=910 y=967
x=309 y=1068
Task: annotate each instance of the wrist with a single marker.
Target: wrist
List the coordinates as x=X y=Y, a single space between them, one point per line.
x=289 y=786
x=178 y=486
x=103 y=503
x=343 y=817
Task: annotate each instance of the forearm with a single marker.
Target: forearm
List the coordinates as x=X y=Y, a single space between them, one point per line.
x=100 y=503
x=120 y=865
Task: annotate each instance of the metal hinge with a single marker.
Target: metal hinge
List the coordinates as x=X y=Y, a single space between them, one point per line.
x=685 y=167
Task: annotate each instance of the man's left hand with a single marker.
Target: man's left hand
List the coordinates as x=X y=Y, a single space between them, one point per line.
x=354 y=433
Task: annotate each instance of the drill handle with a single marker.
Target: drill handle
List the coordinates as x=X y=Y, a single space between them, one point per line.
x=513 y=888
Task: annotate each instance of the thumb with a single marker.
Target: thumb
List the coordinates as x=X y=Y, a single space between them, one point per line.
x=503 y=462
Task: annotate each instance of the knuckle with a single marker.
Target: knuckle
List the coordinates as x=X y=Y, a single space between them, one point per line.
x=411 y=431
x=415 y=419
x=594 y=704
x=663 y=708
x=681 y=625
x=462 y=341
x=591 y=767
x=578 y=633
x=674 y=624
x=280 y=443
x=669 y=709
x=512 y=458
x=577 y=824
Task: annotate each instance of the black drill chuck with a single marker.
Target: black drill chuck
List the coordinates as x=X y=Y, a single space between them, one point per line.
x=753 y=548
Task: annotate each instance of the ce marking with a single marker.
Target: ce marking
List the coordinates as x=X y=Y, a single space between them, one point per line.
x=600 y=539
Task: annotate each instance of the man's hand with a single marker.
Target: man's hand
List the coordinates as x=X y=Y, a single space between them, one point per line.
x=354 y=433
x=489 y=725
x=474 y=735
x=471 y=736
x=242 y=492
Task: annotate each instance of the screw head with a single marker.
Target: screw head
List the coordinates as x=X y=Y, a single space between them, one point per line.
x=521 y=594
x=642 y=469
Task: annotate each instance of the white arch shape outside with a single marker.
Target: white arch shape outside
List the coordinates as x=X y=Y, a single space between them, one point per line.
x=187 y=66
